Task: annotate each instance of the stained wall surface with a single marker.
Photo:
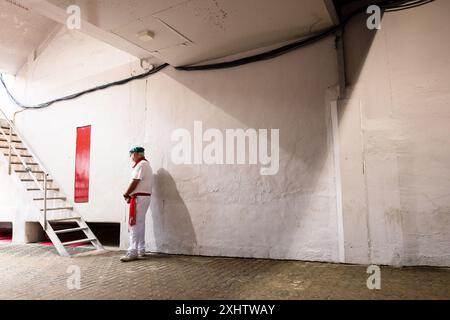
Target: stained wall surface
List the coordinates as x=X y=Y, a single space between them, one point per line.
x=395 y=134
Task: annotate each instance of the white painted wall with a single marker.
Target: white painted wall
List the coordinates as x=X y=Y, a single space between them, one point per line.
x=396 y=122
x=228 y=210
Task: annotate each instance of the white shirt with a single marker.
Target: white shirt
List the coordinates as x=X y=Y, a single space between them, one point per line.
x=143 y=172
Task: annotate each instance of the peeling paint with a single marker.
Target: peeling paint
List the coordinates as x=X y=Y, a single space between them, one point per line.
x=213 y=14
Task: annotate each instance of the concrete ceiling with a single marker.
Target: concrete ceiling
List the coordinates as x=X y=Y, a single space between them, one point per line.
x=185 y=31
x=21 y=32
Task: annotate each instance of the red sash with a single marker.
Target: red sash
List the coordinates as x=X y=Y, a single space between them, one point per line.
x=137 y=162
x=133 y=206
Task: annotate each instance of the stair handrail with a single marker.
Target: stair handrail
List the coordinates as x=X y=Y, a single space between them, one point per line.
x=30 y=150
x=11 y=146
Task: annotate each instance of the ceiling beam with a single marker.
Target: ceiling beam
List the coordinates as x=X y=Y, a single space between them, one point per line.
x=332 y=11
x=55 y=13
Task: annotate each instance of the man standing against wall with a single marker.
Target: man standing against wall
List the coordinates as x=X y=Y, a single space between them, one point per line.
x=138 y=195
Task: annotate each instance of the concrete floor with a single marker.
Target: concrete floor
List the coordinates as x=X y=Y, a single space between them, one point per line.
x=36 y=272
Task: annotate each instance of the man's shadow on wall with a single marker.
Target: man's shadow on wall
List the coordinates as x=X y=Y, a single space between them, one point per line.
x=172 y=225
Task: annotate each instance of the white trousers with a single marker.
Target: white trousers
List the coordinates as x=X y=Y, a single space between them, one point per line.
x=137 y=232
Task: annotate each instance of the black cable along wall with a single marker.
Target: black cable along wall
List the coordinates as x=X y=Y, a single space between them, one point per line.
x=387 y=6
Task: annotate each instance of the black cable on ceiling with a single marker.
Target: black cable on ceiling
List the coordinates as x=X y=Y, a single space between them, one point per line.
x=388 y=6
x=262 y=56
x=406 y=6
x=79 y=94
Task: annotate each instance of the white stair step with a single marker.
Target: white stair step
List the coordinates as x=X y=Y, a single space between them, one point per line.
x=25 y=171
x=64 y=219
x=28 y=164
x=59 y=208
x=22 y=155
x=7 y=133
x=37 y=189
x=70 y=230
x=13 y=140
x=51 y=198
x=6 y=130
x=17 y=148
x=31 y=180
x=78 y=241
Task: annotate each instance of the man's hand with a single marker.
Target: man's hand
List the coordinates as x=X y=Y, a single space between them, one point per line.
x=130 y=189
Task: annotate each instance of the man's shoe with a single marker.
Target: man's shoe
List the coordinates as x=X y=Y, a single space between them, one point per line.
x=129 y=257
x=141 y=254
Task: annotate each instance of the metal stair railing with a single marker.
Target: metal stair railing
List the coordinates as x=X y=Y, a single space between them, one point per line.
x=12 y=148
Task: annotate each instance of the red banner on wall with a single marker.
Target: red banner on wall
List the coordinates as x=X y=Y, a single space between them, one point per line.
x=82 y=164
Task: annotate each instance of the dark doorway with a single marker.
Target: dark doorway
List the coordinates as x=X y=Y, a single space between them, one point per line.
x=107 y=233
x=6 y=231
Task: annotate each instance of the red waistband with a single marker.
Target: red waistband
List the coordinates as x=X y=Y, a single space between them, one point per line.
x=140 y=194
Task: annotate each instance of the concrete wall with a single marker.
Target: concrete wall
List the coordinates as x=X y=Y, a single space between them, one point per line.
x=229 y=210
x=394 y=139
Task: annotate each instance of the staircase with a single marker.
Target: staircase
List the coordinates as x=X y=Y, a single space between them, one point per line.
x=54 y=206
